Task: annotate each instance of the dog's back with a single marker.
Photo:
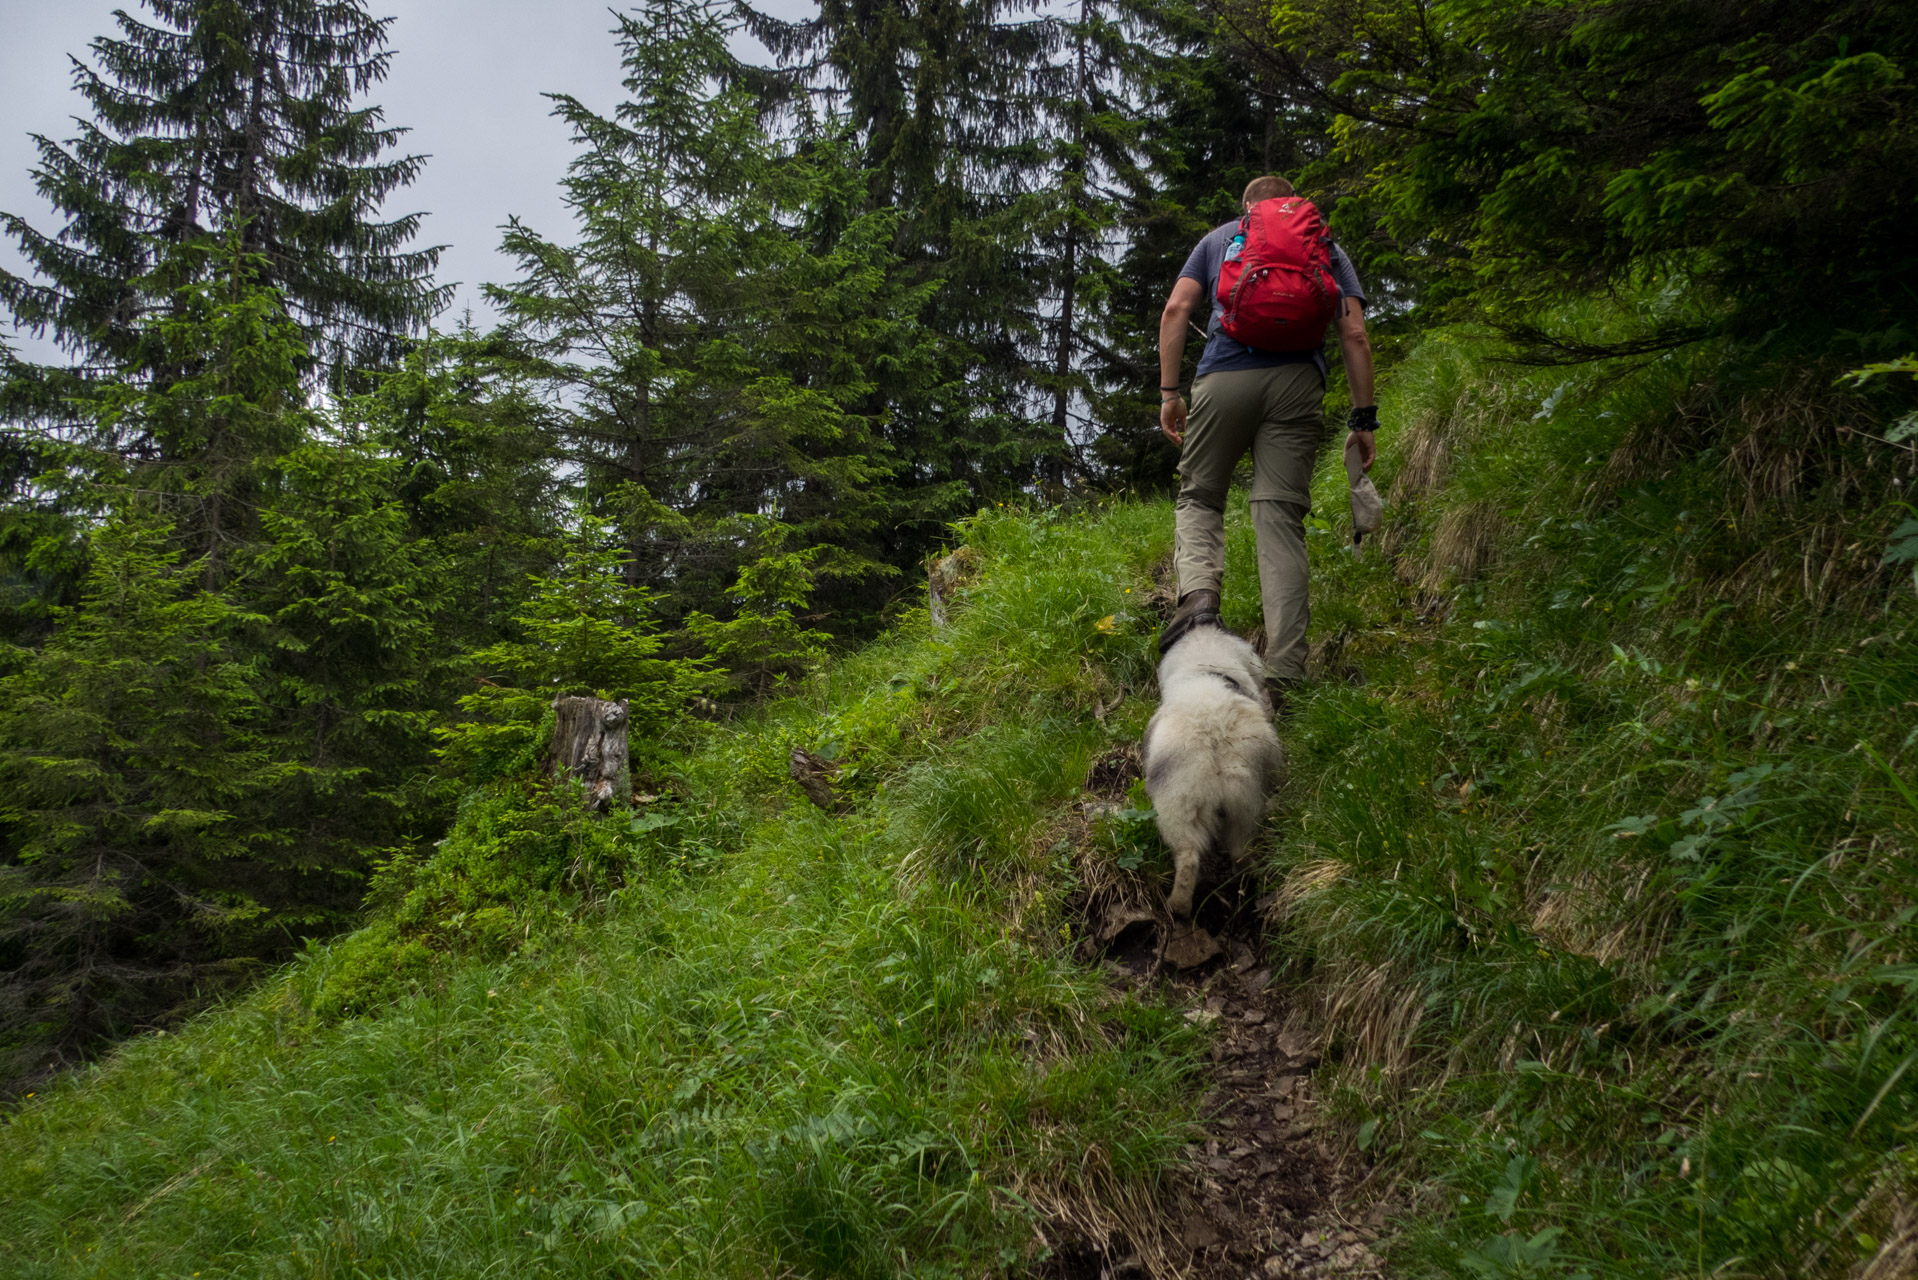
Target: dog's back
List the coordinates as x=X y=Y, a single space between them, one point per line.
x=1210 y=755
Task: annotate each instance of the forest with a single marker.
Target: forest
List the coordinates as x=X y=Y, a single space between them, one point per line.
x=294 y=561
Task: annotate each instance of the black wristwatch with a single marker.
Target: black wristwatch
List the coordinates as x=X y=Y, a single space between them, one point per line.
x=1363 y=419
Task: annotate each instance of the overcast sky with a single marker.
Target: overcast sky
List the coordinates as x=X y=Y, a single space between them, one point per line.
x=466 y=78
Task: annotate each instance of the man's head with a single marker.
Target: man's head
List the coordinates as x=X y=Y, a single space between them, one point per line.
x=1269 y=187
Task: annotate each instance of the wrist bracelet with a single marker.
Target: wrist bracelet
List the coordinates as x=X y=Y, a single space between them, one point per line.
x=1173 y=387
x=1363 y=419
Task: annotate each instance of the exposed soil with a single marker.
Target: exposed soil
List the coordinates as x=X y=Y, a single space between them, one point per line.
x=1270 y=1191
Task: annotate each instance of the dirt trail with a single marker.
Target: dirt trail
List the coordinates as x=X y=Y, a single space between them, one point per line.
x=1271 y=1191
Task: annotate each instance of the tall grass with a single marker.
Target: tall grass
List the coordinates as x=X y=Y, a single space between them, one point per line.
x=803 y=1044
x=1604 y=879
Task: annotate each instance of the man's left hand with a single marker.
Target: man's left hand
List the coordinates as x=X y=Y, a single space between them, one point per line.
x=1365 y=445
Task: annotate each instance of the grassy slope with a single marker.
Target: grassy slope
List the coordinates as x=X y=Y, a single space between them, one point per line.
x=1604 y=880
x=836 y=1046
x=1604 y=908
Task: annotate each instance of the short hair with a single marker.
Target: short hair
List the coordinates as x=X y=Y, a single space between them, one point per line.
x=1269 y=187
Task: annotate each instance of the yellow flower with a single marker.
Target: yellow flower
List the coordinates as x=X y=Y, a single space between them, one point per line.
x=1106 y=624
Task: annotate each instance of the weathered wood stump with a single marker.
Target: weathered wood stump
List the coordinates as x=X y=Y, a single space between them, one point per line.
x=944 y=577
x=589 y=743
x=814 y=777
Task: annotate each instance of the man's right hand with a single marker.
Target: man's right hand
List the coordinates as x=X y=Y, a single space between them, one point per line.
x=1186 y=297
x=1172 y=419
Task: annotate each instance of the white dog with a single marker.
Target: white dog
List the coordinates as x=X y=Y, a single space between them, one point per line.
x=1210 y=755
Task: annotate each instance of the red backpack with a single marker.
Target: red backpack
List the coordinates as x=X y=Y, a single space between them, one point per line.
x=1276 y=283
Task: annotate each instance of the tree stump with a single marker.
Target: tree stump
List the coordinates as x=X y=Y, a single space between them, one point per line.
x=589 y=743
x=814 y=777
x=944 y=577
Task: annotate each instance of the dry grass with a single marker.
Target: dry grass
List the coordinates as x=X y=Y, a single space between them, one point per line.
x=1897 y=1257
x=1378 y=1012
x=1102 y=1210
x=1421 y=472
x=1303 y=883
x=1422 y=459
x=1653 y=449
x=1465 y=543
x=1798 y=462
x=1464 y=537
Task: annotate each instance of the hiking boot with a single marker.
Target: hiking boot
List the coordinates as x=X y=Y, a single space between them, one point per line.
x=1196 y=609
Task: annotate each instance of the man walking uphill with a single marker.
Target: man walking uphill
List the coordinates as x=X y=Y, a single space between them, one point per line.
x=1260 y=386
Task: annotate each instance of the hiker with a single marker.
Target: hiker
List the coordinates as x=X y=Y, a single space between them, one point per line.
x=1266 y=398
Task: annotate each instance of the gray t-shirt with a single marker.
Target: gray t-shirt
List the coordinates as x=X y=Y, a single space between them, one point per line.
x=1221 y=352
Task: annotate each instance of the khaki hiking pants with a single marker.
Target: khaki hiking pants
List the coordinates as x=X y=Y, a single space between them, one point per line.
x=1279 y=415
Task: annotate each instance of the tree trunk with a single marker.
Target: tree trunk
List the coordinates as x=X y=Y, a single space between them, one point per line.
x=589 y=743
x=1062 y=355
x=1075 y=189
x=944 y=578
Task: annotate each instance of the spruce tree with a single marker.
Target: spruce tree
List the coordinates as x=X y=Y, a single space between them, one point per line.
x=1093 y=147
x=712 y=355
x=208 y=437
x=221 y=117
x=135 y=776
x=217 y=120
x=42 y=521
x=946 y=102
x=474 y=441
x=202 y=757
x=354 y=666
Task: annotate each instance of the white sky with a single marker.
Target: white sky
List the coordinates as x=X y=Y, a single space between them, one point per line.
x=466 y=78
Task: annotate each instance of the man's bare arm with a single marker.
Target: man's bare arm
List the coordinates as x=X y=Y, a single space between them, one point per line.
x=1187 y=294
x=1356 y=345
